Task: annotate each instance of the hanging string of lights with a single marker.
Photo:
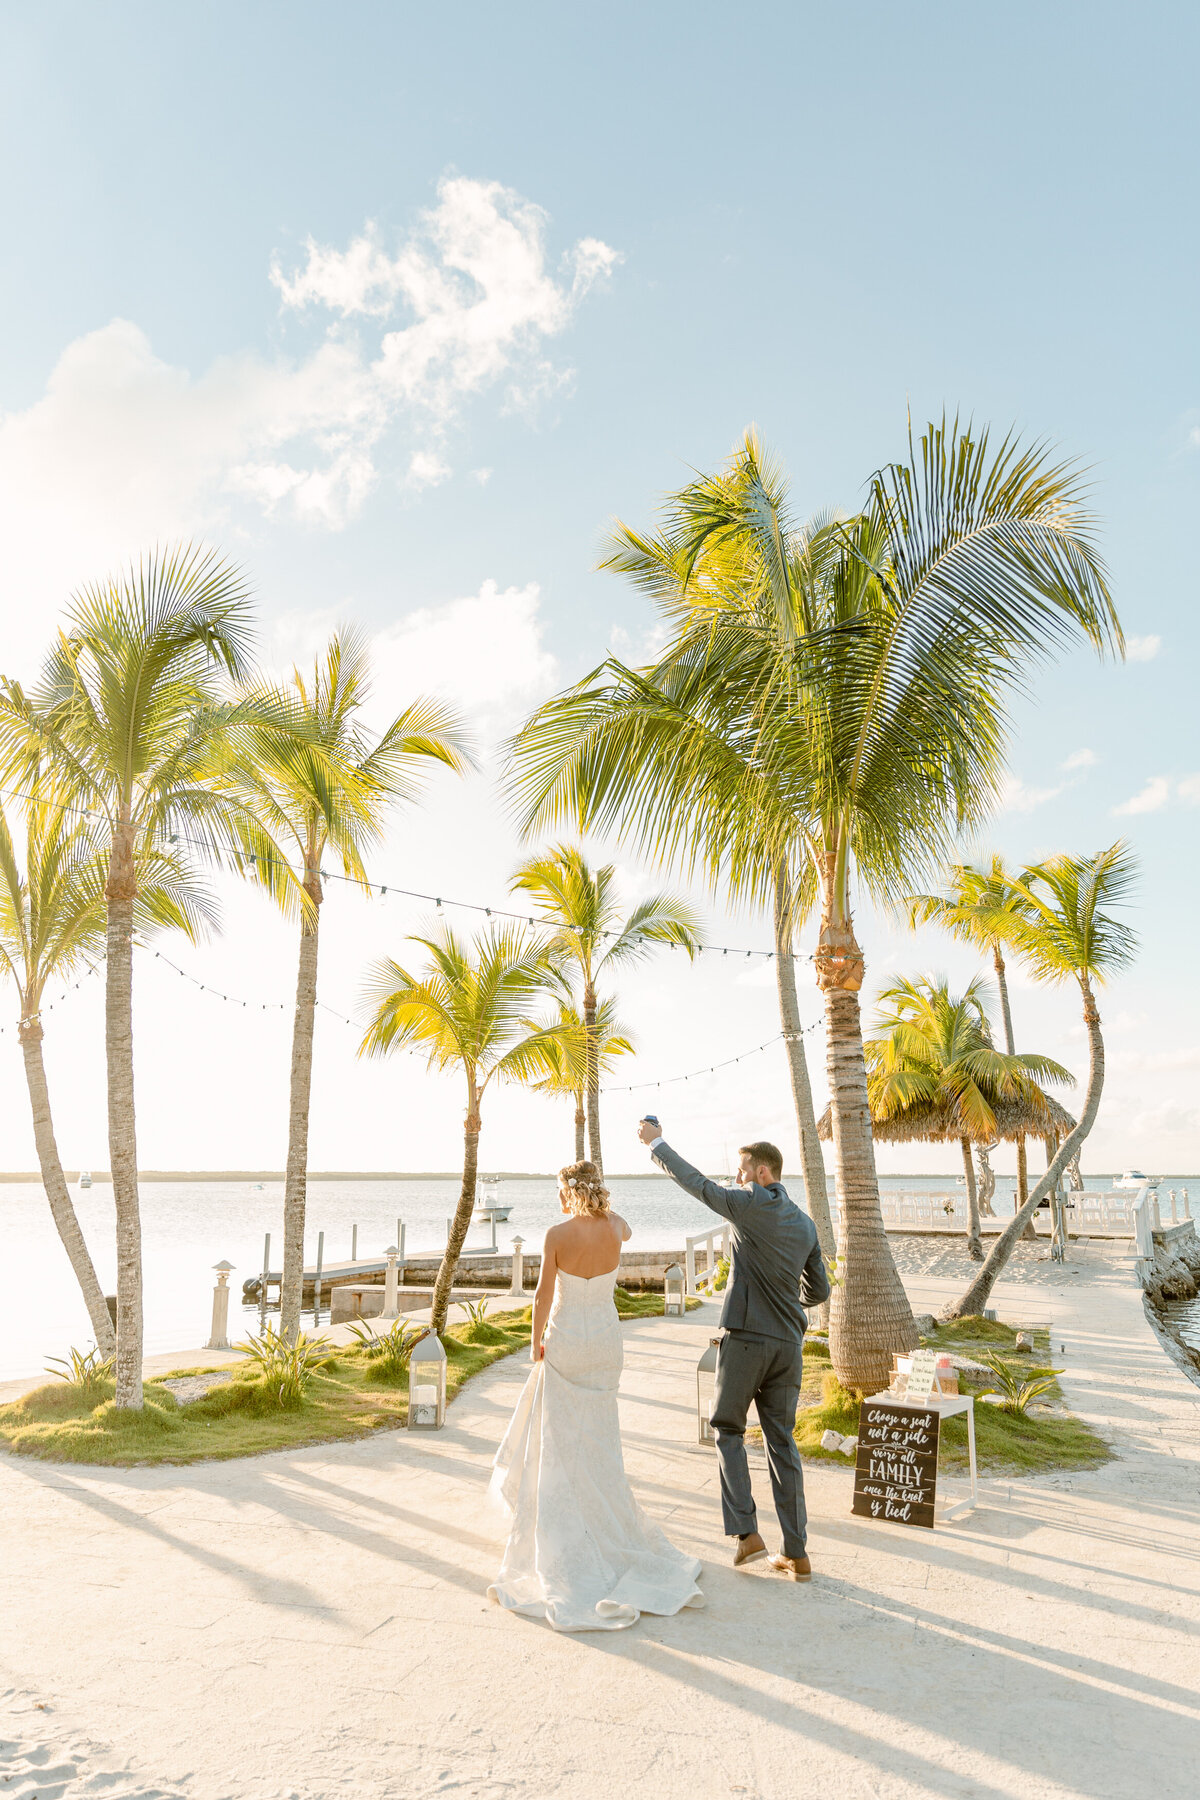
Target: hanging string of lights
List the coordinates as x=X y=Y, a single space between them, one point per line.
x=781 y=1037
x=229 y=860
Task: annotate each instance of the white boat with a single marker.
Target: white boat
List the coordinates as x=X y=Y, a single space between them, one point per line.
x=488 y=1205
x=85 y=1178
x=1133 y=1178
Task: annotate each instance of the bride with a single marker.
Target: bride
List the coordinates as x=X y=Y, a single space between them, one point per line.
x=581 y=1553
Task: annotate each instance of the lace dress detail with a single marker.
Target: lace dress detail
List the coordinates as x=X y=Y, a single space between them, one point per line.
x=581 y=1553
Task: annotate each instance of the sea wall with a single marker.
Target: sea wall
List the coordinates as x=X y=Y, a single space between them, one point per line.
x=1169 y=1278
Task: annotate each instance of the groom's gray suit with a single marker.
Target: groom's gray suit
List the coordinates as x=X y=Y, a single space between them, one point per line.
x=776 y=1264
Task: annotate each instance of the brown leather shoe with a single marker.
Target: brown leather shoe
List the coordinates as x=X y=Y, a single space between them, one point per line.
x=796 y=1568
x=749 y=1549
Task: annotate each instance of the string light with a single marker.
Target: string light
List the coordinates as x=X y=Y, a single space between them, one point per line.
x=781 y=1037
x=383 y=889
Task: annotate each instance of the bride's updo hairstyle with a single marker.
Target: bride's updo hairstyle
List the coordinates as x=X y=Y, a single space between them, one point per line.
x=582 y=1186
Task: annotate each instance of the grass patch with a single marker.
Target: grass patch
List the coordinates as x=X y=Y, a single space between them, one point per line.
x=1005 y=1443
x=347 y=1397
x=353 y=1391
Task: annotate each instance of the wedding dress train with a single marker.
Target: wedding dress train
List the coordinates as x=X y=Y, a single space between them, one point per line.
x=581 y=1553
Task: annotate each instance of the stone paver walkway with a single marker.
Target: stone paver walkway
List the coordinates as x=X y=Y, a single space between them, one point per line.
x=314 y=1624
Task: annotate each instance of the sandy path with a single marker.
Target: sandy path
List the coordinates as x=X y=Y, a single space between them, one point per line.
x=314 y=1624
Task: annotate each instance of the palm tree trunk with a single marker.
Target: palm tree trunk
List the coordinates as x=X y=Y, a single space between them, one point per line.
x=57 y=1194
x=461 y=1222
x=974 y=1235
x=580 y=1124
x=1011 y=1046
x=977 y=1295
x=121 y=891
x=295 y=1192
x=870 y=1318
x=815 y=1187
x=592 y=1067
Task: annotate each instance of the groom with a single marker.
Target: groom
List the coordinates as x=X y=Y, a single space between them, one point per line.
x=775 y=1264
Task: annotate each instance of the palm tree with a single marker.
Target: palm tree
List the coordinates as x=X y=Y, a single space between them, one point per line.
x=933 y=1050
x=127 y=719
x=591 y=937
x=976 y=910
x=1065 y=933
x=670 y=765
x=312 y=777
x=52 y=923
x=565 y=1053
x=471 y=1007
x=865 y=666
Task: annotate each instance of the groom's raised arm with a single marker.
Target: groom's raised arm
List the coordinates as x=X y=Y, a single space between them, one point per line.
x=730 y=1202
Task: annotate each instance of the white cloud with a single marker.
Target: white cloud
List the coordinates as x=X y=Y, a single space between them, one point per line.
x=1016 y=797
x=482 y=476
x=124 y=449
x=427 y=469
x=1153 y=797
x=1081 y=759
x=1142 y=649
x=1189 y=789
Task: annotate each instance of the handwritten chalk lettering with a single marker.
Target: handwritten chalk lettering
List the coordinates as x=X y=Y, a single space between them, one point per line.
x=895 y=1473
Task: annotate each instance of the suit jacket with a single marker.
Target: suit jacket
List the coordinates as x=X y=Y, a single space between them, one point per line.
x=776 y=1261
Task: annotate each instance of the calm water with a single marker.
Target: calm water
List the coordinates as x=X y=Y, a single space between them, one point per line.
x=187 y=1227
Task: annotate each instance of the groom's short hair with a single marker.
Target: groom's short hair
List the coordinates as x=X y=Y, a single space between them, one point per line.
x=762 y=1152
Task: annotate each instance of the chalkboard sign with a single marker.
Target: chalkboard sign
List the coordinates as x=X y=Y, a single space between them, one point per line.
x=895 y=1475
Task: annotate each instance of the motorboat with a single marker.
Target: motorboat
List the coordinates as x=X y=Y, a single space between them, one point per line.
x=85 y=1178
x=488 y=1205
x=1133 y=1178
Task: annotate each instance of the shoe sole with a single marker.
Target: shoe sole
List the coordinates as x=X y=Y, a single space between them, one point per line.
x=791 y=1574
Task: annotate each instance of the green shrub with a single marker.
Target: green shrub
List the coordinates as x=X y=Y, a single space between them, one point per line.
x=86 y=1371
x=286 y=1369
x=388 y=1350
x=1018 y=1386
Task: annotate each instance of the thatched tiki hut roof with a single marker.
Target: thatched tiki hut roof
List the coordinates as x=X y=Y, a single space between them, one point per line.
x=1043 y=1118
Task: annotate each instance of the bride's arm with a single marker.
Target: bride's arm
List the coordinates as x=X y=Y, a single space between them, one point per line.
x=543 y=1296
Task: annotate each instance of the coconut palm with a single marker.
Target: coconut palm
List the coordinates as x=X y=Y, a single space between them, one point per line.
x=933 y=1051
x=565 y=1054
x=472 y=1007
x=1066 y=933
x=126 y=721
x=975 y=909
x=52 y=925
x=865 y=665
x=592 y=938
x=678 y=770
x=312 y=778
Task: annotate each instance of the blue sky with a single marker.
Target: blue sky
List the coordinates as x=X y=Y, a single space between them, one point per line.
x=234 y=305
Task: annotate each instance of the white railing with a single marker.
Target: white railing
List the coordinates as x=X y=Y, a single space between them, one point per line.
x=1108 y=1212
x=1144 y=1209
x=714 y=1245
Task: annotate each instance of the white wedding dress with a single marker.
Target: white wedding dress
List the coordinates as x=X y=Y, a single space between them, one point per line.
x=581 y=1552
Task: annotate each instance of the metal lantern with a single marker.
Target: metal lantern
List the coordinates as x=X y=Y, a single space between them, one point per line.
x=706 y=1377
x=673 y=1292
x=427 y=1384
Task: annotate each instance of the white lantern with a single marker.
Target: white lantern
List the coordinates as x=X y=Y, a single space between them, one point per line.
x=673 y=1292
x=427 y=1384
x=706 y=1377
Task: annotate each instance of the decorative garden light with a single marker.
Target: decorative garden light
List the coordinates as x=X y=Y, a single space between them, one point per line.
x=391 y=1284
x=706 y=1376
x=219 y=1337
x=427 y=1384
x=673 y=1284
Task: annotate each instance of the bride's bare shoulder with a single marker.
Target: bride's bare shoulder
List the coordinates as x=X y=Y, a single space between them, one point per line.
x=623 y=1226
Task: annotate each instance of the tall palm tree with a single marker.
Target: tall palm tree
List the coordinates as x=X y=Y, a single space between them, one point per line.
x=933 y=1049
x=127 y=716
x=565 y=1053
x=1065 y=933
x=591 y=937
x=52 y=923
x=975 y=909
x=312 y=777
x=865 y=664
x=471 y=1006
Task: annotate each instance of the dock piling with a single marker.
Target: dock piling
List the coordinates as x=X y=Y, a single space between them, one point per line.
x=262 y=1290
x=317 y=1287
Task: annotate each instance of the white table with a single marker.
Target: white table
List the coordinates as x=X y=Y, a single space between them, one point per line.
x=946 y=1406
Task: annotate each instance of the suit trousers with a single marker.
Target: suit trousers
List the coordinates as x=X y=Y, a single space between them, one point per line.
x=766 y=1371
